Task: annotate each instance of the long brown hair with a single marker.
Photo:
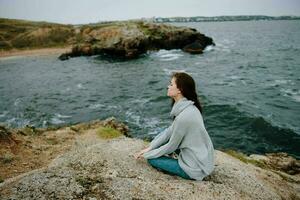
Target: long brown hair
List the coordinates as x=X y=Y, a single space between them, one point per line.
x=186 y=84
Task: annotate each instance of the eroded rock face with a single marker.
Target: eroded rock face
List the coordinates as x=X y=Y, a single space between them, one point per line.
x=131 y=39
x=284 y=162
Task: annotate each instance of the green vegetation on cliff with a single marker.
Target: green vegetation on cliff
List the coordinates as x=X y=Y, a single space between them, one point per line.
x=21 y=34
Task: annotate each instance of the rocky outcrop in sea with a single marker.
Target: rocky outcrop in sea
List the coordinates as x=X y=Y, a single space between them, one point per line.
x=131 y=39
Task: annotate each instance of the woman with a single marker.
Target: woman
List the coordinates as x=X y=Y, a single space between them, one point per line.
x=186 y=135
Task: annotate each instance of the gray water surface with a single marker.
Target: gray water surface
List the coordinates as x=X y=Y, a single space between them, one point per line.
x=248 y=84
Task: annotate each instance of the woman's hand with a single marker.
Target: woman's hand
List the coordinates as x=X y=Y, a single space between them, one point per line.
x=140 y=154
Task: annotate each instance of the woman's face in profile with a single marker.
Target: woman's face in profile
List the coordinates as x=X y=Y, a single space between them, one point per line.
x=172 y=88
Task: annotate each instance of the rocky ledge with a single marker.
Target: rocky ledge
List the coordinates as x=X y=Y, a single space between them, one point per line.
x=131 y=39
x=100 y=165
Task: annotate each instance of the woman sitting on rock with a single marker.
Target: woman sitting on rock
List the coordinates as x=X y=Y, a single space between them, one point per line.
x=186 y=136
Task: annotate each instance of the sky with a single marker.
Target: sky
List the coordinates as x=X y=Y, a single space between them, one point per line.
x=90 y=11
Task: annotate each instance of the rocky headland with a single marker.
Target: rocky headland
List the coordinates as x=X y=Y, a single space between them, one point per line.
x=124 y=39
x=131 y=39
x=95 y=160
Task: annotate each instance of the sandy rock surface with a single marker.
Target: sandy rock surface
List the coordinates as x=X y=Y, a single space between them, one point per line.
x=96 y=168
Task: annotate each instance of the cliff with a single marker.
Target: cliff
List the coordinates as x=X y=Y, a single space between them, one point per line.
x=95 y=161
x=131 y=39
x=127 y=39
x=22 y=34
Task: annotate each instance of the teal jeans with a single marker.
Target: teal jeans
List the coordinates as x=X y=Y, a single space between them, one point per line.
x=168 y=165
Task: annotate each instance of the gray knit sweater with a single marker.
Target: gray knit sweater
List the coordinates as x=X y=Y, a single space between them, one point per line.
x=187 y=133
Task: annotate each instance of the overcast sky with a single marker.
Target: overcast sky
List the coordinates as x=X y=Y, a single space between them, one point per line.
x=88 y=11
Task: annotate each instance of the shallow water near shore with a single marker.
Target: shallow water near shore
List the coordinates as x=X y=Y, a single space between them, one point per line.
x=248 y=83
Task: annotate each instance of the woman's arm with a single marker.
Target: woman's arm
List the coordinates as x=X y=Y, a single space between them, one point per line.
x=178 y=132
x=161 y=138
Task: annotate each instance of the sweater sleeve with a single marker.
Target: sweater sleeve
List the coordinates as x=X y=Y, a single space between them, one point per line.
x=161 y=138
x=177 y=134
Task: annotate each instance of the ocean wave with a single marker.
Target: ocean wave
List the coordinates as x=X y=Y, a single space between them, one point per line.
x=79 y=86
x=152 y=82
x=62 y=116
x=133 y=118
x=292 y=93
x=56 y=120
x=3 y=114
x=17 y=102
x=17 y=122
x=289 y=49
x=258 y=131
x=278 y=82
x=209 y=48
x=168 y=55
x=66 y=89
x=222 y=47
x=163 y=52
x=95 y=106
x=150 y=123
x=140 y=101
x=160 y=98
x=171 y=71
x=282 y=81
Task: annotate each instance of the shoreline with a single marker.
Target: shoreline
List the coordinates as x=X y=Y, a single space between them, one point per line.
x=34 y=52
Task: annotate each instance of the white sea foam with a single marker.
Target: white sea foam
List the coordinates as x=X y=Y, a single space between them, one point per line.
x=152 y=122
x=296 y=98
x=231 y=84
x=244 y=82
x=67 y=89
x=95 y=106
x=11 y=120
x=295 y=95
x=80 y=86
x=62 y=116
x=17 y=102
x=134 y=118
x=19 y=122
x=209 y=48
x=163 y=52
x=3 y=114
x=55 y=120
x=279 y=82
x=156 y=131
x=45 y=123
x=112 y=107
x=221 y=47
x=168 y=55
x=234 y=77
x=140 y=101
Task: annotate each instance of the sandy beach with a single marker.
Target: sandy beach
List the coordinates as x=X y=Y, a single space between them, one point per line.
x=34 y=52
